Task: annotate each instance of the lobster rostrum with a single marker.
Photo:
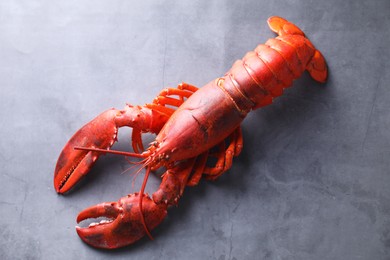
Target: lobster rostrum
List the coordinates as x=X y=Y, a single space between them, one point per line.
x=199 y=138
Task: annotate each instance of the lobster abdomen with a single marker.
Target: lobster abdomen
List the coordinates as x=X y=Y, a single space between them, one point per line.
x=264 y=73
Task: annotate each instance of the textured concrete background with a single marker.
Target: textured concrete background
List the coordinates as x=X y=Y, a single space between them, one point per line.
x=312 y=181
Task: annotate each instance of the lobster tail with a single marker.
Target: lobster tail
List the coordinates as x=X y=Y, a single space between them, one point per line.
x=317 y=65
x=281 y=26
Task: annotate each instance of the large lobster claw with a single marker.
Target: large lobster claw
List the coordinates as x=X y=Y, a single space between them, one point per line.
x=101 y=133
x=125 y=225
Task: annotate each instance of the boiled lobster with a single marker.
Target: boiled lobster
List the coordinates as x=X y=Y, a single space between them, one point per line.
x=199 y=138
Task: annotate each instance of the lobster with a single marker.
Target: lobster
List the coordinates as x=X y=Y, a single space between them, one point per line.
x=199 y=138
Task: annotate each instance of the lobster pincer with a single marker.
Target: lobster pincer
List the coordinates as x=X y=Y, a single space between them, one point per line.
x=127 y=221
x=123 y=224
x=101 y=133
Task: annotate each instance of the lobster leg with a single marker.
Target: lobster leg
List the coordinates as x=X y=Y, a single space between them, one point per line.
x=224 y=159
x=199 y=167
x=125 y=222
x=225 y=156
x=183 y=90
x=165 y=99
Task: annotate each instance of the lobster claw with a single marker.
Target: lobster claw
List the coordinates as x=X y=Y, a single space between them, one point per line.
x=101 y=133
x=125 y=221
x=72 y=164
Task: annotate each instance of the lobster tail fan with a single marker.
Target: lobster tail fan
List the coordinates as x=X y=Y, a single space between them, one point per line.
x=281 y=26
x=317 y=65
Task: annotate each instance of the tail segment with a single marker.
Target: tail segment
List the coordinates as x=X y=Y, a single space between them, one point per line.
x=317 y=65
x=281 y=26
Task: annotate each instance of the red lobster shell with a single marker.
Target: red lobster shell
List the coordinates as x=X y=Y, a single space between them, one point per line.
x=205 y=118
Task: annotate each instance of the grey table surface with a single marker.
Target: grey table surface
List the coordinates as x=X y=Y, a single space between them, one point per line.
x=311 y=183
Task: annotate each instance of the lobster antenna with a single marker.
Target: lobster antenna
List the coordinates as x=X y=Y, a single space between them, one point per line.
x=136 y=173
x=141 y=195
x=137 y=155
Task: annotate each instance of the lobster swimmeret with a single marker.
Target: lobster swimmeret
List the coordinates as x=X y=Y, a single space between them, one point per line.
x=198 y=139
